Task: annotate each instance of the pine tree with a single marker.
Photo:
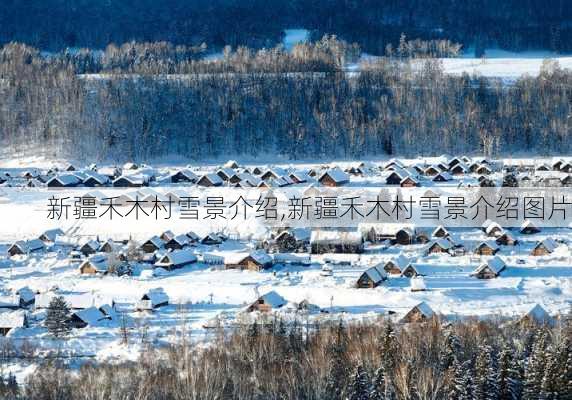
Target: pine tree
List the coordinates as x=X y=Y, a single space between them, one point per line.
x=459 y=387
x=360 y=385
x=549 y=387
x=12 y=388
x=379 y=385
x=509 y=376
x=387 y=347
x=57 y=318
x=485 y=375
x=450 y=351
x=534 y=369
x=337 y=374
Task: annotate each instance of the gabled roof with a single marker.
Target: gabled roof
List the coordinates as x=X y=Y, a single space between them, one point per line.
x=487 y=243
x=91 y=315
x=424 y=309
x=491 y=227
x=65 y=180
x=527 y=224
x=181 y=239
x=495 y=265
x=177 y=257
x=548 y=243
x=336 y=174
x=376 y=273
x=29 y=246
x=401 y=261
x=227 y=172
x=92 y=244
x=51 y=234
x=261 y=257
x=273 y=299
x=98 y=262
x=156 y=241
x=98 y=178
x=443 y=243
x=26 y=294
x=156 y=296
x=187 y=173
x=539 y=315
x=445 y=176
x=214 y=179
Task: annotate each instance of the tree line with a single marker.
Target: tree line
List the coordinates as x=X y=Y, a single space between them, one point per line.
x=513 y=24
x=149 y=100
x=469 y=360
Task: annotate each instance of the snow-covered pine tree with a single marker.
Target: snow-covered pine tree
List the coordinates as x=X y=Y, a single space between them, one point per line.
x=380 y=387
x=486 y=387
x=338 y=372
x=450 y=350
x=387 y=347
x=549 y=387
x=534 y=369
x=509 y=379
x=459 y=385
x=57 y=317
x=565 y=378
x=360 y=385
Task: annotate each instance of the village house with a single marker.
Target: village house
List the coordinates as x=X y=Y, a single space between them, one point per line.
x=483 y=169
x=64 y=181
x=210 y=180
x=528 y=228
x=12 y=320
x=537 y=316
x=440 y=232
x=152 y=245
x=177 y=242
x=506 y=239
x=135 y=180
x=397 y=233
x=486 y=249
x=109 y=247
x=566 y=181
x=225 y=173
x=442 y=177
x=372 y=277
x=184 y=175
x=231 y=164
x=420 y=313
x=273 y=173
x=454 y=162
x=87 y=317
x=336 y=241
x=255 y=261
x=176 y=259
x=439 y=246
x=544 y=247
x=288 y=240
x=412 y=270
x=489 y=269
x=89 y=247
x=432 y=170
x=409 y=182
x=211 y=239
x=25 y=247
x=459 y=169
x=110 y=172
x=267 y=303
x=50 y=235
x=93 y=179
x=94 y=265
x=334 y=177
x=152 y=299
x=26 y=296
x=396 y=265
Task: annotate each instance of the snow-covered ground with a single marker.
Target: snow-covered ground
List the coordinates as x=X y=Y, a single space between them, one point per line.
x=198 y=293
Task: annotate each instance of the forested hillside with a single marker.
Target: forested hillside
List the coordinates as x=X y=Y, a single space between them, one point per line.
x=150 y=101
x=509 y=24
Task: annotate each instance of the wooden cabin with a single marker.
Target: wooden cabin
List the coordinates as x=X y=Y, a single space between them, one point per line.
x=371 y=277
x=210 y=180
x=12 y=320
x=506 y=239
x=486 y=249
x=176 y=259
x=152 y=299
x=490 y=269
x=544 y=248
x=420 y=313
x=255 y=261
x=439 y=246
x=334 y=177
x=267 y=303
x=152 y=245
x=335 y=241
x=528 y=228
x=396 y=265
x=25 y=247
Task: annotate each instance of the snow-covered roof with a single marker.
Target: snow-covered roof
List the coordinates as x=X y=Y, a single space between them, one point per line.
x=190 y=175
x=273 y=299
x=336 y=174
x=51 y=234
x=549 y=244
x=12 y=319
x=417 y=283
x=487 y=243
x=156 y=241
x=91 y=315
x=98 y=178
x=181 y=239
x=443 y=243
x=92 y=244
x=527 y=224
x=214 y=179
x=65 y=180
x=491 y=227
x=98 y=262
x=539 y=315
x=445 y=176
x=261 y=257
x=495 y=265
x=29 y=245
x=177 y=257
x=425 y=309
x=156 y=296
x=26 y=294
x=376 y=273
x=74 y=301
x=228 y=172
